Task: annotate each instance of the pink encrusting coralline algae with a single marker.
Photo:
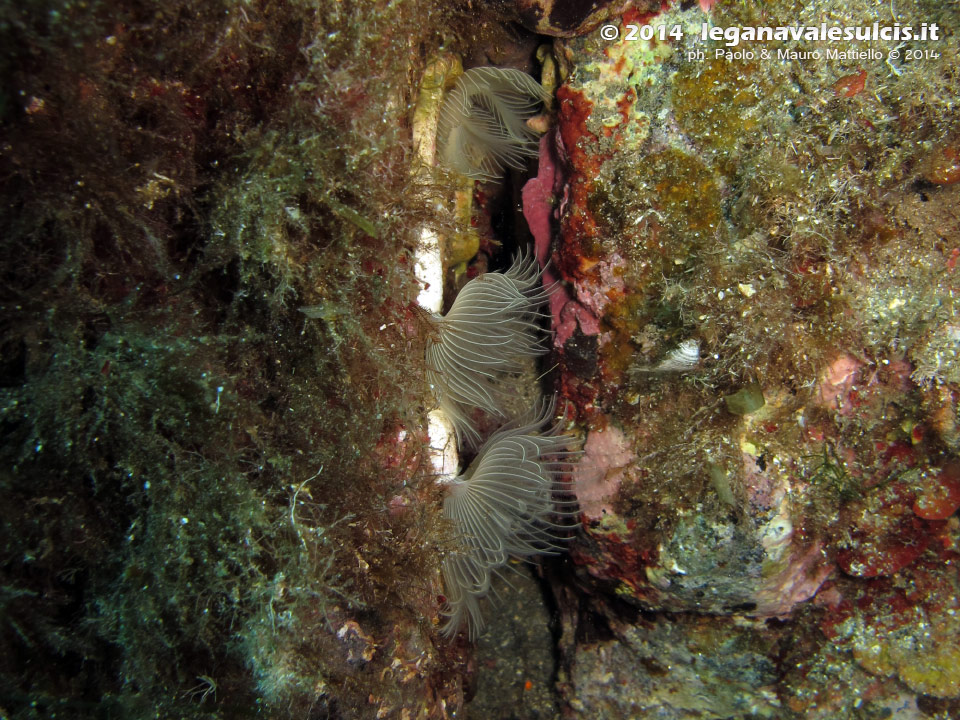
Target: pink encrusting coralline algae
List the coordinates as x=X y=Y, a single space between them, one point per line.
x=592 y=292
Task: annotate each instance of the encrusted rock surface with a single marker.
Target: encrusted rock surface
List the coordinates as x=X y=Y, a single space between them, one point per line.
x=776 y=214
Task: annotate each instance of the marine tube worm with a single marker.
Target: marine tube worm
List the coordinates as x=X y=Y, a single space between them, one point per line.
x=483 y=123
x=491 y=327
x=507 y=503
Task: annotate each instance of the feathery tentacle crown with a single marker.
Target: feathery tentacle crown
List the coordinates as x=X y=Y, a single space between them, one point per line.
x=506 y=504
x=482 y=127
x=490 y=327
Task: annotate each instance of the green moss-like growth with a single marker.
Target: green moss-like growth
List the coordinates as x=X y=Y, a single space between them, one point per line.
x=715 y=104
x=211 y=501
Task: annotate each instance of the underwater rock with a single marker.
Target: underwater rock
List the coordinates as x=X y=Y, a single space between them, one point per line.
x=567 y=18
x=806 y=449
x=689 y=668
x=516 y=655
x=904 y=629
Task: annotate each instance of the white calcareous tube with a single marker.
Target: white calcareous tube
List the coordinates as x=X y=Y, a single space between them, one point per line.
x=428 y=261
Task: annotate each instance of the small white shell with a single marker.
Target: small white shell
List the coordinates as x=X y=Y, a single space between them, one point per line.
x=682 y=358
